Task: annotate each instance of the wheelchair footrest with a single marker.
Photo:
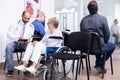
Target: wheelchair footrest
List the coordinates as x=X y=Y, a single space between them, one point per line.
x=40 y=70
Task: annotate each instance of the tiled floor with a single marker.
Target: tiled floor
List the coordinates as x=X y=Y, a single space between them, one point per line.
x=93 y=73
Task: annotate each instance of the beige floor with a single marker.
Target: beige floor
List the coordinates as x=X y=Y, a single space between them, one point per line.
x=93 y=73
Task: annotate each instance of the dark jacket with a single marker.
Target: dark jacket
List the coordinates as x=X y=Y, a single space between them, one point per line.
x=96 y=23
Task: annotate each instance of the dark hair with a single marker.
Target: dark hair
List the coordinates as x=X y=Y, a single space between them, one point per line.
x=24 y=12
x=115 y=20
x=92 y=7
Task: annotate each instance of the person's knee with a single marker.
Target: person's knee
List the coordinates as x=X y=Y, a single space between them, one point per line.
x=112 y=46
x=9 y=48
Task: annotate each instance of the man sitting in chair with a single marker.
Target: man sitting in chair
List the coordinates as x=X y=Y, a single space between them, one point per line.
x=39 y=27
x=94 y=22
x=35 y=49
x=18 y=34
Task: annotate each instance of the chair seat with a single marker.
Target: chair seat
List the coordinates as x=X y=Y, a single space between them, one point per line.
x=68 y=56
x=19 y=50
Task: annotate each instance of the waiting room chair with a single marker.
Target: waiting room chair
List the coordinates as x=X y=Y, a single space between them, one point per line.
x=95 y=44
x=77 y=41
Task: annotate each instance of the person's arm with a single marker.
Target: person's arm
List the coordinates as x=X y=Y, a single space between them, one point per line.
x=41 y=29
x=106 y=30
x=81 y=25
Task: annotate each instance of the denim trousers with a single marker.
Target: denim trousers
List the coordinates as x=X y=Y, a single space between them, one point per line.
x=108 y=48
x=10 y=48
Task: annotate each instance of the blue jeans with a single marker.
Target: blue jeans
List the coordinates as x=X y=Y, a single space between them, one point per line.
x=109 y=48
x=10 y=48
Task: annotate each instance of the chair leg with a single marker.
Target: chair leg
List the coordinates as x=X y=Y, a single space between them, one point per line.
x=64 y=67
x=57 y=62
x=104 y=56
x=81 y=63
x=88 y=78
x=77 y=70
x=21 y=56
x=17 y=58
x=73 y=66
x=51 y=69
x=111 y=63
x=4 y=65
x=89 y=62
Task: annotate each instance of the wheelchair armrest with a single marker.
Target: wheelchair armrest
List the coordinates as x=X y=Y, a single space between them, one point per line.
x=25 y=40
x=56 y=37
x=62 y=49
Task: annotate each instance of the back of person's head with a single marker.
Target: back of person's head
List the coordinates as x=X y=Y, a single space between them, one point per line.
x=40 y=13
x=26 y=16
x=92 y=7
x=54 y=21
x=41 y=16
x=116 y=21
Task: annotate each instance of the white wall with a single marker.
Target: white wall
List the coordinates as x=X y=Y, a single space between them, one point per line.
x=48 y=7
x=11 y=10
x=117 y=12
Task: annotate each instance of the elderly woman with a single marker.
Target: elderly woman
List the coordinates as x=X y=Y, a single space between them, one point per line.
x=35 y=49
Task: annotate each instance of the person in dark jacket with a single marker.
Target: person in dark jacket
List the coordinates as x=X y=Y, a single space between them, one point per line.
x=95 y=22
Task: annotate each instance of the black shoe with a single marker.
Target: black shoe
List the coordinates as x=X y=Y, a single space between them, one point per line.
x=9 y=73
x=100 y=68
x=26 y=73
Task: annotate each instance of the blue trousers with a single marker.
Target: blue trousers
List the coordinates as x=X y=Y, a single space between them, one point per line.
x=10 y=48
x=109 y=48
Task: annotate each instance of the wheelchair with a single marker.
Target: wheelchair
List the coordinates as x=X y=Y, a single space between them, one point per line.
x=44 y=64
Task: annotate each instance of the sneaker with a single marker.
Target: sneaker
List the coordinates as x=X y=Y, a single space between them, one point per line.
x=31 y=69
x=9 y=73
x=21 y=68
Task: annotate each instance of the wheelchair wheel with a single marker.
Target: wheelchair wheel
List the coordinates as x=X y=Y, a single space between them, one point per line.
x=59 y=67
x=45 y=75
